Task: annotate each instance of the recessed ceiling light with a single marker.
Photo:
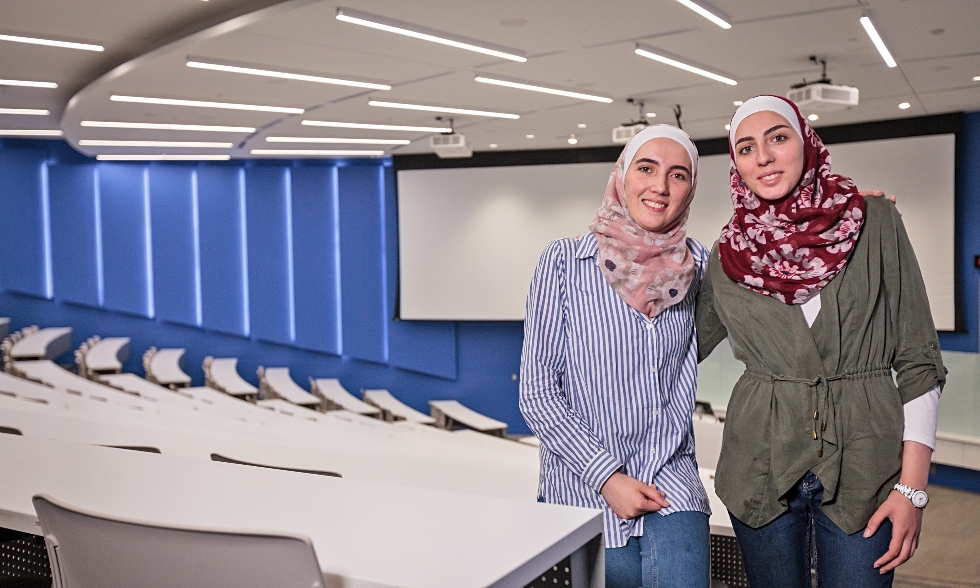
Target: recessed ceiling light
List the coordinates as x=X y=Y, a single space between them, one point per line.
x=869 y=28
x=181 y=144
x=410 y=30
x=904 y=105
x=52 y=43
x=534 y=88
x=442 y=109
x=493 y=145
x=28 y=84
x=163 y=157
x=30 y=133
x=581 y=125
x=572 y=140
x=339 y=140
x=728 y=127
x=318 y=152
x=346 y=125
x=712 y=15
x=813 y=117
x=737 y=103
x=27 y=111
x=254 y=71
x=651 y=115
x=662 y=57
x=164 y=127
x=528 y=136
x=204 y=104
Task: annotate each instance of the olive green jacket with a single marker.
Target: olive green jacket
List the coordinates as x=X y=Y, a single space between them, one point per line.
x=822 y=399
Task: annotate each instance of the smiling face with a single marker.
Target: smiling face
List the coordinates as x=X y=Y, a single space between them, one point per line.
x=768 y=155
x=658 y=183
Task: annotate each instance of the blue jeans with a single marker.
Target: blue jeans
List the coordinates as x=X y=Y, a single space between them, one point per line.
x=672 y=553
x=777 y=555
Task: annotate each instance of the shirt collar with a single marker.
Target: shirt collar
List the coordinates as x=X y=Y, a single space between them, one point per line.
x=587 y=246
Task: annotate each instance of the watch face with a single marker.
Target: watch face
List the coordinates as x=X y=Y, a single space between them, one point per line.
x=920 y=499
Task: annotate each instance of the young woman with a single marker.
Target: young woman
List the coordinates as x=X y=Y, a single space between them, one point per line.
x=818 y=290
x=608 y=369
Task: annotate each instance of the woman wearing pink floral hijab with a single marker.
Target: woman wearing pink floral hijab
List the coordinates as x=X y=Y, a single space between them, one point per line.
x=609 y=365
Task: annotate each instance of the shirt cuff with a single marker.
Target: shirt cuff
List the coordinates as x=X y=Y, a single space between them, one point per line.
x=921 y=418
x=599 y=469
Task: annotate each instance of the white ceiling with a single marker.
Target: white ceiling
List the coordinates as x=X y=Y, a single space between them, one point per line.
x=576 y=44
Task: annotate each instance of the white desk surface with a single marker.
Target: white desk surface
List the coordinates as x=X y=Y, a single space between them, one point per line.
x=385 y=400
x=108 y=354
x=44 y=343
x=364 y=534
x=224 y=372
x=333 y=391
x=165 y=366
x=466 y=416
x=282 y=384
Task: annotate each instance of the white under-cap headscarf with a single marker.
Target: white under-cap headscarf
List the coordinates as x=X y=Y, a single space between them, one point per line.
x=659 y=132
x=759 y=104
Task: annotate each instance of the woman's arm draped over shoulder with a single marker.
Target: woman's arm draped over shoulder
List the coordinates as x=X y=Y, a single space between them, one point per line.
x=542 y=400
x=710 y=331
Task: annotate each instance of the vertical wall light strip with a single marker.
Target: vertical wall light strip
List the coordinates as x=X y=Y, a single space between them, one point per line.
x=246 y=323
x=289 y=255
x=148 y=237
x=335 y=196
x=46 y=230
x=384 y=261
x=196 y=222
x=99 y=275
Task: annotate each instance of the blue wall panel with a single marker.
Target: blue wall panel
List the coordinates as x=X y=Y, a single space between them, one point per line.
x=23 y=209
x=173 y=215
x=364 y=322
x=221 y=218
x=315 y=258
x=269 y=264
x=74 y=249
x=125 y=263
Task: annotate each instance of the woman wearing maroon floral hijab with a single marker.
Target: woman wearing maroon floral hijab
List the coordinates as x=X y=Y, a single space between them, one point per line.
x=819 y=292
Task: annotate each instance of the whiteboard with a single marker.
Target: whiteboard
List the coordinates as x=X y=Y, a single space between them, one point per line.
x=470 y=238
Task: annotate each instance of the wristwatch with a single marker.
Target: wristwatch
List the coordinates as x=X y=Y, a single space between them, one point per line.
x=919 y=498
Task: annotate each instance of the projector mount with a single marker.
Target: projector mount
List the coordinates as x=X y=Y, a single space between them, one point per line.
x=823 y=74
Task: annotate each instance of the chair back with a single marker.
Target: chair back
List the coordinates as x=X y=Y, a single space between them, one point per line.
x=90 y=550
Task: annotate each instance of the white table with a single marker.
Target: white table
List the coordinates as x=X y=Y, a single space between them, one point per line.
x=279 y=383
x=394 y=409
x=338 y=398
x=364 y=534
x=108 y=355
x=46 y=343
x=708 y=432
x=454 y=411
x=165 y=365
x=225 y=377
x=719 y=521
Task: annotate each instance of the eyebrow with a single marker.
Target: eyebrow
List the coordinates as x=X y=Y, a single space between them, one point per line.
x=655 y=162
x=763 y=134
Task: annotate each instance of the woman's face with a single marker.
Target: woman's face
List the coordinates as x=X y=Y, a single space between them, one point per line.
x=658 y=183
x=768 y=155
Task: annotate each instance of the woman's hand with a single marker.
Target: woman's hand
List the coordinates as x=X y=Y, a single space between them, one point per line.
x=878 y=194
x=906 y=524
x=630 y=498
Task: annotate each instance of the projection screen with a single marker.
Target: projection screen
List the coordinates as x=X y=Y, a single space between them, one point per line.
x=470 y=238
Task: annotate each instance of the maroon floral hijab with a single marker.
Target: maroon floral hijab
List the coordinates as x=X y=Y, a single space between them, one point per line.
x=791 y=248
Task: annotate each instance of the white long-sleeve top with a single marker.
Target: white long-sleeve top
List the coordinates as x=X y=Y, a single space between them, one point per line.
x=921 y=414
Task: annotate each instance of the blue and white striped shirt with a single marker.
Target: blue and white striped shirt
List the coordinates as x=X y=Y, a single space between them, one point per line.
x=605 y=388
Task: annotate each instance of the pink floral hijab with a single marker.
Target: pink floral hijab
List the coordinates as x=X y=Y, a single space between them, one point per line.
x=791 y=248
x=651 y=271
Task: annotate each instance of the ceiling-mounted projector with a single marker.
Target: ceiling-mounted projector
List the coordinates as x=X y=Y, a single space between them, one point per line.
x=622 y=135
x=450 y=145
x=822 y=95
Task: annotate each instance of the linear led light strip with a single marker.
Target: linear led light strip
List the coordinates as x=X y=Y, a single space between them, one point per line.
x=27 y=111
x=442 y=109
x=869 y=28
x=52 y=43
x=410 y=30
x=28 y=84
x=346 y=125
x=318 y=152
x=180 y=144
x=30 y=133
x=658 y=55
x=204 y=104
x=338 y=140
x=533 y=88
x=254 y=71
x=164 y=127
x=163 y=157
x=712 y=15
